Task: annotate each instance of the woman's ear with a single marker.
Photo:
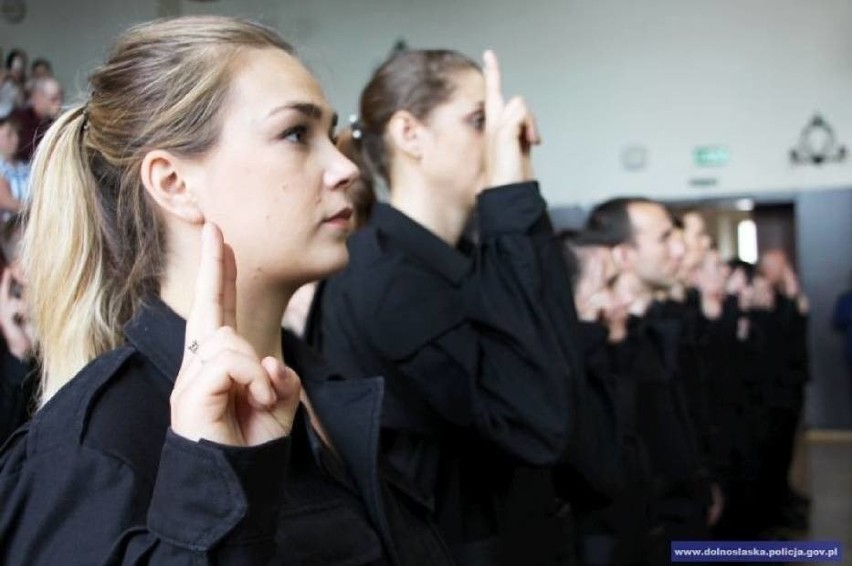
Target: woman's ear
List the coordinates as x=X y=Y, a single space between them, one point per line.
x=405 y=133
x=163 y=177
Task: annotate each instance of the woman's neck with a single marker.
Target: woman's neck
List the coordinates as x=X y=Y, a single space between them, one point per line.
x=259 y=307
x=442 y=216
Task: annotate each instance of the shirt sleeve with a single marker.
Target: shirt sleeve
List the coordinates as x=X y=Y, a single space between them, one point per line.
x=487 y=353
x=210 y=504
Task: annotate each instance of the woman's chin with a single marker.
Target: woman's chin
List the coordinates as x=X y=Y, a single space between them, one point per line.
x=328 y=263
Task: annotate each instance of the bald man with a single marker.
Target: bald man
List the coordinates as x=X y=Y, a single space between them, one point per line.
x=45 y=103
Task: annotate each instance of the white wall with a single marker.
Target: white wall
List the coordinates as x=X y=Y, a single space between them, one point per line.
x=74 y=36
x=667 y=74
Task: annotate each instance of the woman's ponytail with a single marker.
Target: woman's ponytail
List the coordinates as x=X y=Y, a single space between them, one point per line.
x=62 y=255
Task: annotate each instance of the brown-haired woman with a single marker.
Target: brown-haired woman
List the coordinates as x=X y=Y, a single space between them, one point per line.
x=474 y=345
x=173 y=216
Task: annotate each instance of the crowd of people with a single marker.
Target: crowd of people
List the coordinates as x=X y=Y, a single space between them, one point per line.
x=457 y=383
x=30 y=99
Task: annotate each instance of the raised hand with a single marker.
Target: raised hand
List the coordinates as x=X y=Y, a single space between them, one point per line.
x=223 y=392
x=510 y=131
x=790 y=282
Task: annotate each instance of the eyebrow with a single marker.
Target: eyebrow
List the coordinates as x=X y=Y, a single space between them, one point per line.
x=309 y=109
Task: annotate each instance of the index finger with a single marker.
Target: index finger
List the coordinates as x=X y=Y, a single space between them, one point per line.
x=493 y=88
x=5 y=280
x=206 y=314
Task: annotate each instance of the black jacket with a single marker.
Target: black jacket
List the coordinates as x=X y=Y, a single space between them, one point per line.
x=17 y=384
x=475 y=352
x=662 y=418
x=98 y=477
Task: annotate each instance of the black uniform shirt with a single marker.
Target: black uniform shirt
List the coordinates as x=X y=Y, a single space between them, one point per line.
x=473 y=347
x=98 y=477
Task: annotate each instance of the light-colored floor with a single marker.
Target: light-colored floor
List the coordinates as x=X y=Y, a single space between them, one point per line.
x=824 y=471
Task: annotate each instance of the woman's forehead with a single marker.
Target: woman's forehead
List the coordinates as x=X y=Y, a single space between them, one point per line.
x=269 y=78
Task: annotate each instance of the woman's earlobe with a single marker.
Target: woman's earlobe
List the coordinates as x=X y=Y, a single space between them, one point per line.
x=167 y=185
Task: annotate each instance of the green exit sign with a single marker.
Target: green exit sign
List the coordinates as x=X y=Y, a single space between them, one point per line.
x=711 y=155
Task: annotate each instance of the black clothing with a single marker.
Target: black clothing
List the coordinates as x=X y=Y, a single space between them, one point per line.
x=98 y=477
x=695 y=372
x=591 y=475
x=680 y=490
x=477 y=356
x=608 y=486
x=741 y=411
x=783 y=373
x=17 y=386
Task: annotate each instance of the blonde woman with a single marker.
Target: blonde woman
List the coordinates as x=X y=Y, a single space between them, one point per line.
x=173 y=216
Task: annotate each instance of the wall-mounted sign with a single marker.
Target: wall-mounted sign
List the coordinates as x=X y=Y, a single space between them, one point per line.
x=817 y=144
x=711 y=155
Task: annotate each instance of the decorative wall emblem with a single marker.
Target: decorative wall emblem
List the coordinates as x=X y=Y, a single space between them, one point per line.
x=817 y=144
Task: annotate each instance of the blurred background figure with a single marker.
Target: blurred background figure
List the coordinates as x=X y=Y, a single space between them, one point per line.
x=40 y=68
x=17 y=375
x=14 y=174
x=45 y=103
x=12 y=91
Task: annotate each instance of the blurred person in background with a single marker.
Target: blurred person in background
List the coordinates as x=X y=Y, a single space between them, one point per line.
x=18 y=377
x=14 y=174
x=45 y=103
x=40 y=68
x=612 y=512
x=645 y=244
x=12 y=91
x=474 y=338
x=781 y=313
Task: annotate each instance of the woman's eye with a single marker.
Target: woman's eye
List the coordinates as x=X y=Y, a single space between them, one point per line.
x=478 y=121
x=296 y=134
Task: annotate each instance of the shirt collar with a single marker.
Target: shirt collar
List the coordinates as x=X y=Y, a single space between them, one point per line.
x=417 y=241
x=158 y=332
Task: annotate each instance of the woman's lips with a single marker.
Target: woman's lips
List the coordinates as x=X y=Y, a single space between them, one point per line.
x=340 y=219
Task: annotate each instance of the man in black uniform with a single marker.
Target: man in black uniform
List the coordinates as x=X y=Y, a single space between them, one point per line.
x=644 y=245
x=609 y=490
x=785 y=328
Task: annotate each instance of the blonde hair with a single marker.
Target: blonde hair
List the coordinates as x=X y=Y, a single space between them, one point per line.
x=93 y=246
